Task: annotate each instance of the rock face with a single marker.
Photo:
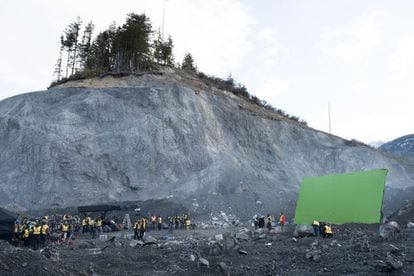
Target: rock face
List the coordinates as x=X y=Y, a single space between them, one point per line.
x=164 y=139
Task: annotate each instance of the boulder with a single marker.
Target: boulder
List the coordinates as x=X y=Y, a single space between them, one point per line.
x=149 y=238
x=133 y=243
x=204 y=262
x=392 y=249
x=242 y=236
x=381 y=266
x=389 y=230
x=394 y=262
x=242 y=252
x=303 y=231
x=224 y=268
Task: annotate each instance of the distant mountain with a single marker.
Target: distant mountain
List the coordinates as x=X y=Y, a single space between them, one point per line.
x=376 y=144
x=401 y=146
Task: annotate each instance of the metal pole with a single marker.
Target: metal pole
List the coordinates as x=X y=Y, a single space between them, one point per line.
x=163 y=18
x=329 y=116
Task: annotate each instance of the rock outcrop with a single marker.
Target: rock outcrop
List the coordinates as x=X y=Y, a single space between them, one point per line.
x=158 y=137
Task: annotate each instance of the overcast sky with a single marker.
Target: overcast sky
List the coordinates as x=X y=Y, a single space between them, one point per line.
x=297 y=55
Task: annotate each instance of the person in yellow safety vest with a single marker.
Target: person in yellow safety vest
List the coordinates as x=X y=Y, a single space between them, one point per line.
x=137 y=228
x=93 y=228
x=37 y=230
x=88 y=220
x=144 y=224
x=45 y=233
x=327 y=231
x=25 y=235
x=84 y=225
x=159 y=223
x=315 y=225
x=65 y=230
x=187 y=223
x=99 y=225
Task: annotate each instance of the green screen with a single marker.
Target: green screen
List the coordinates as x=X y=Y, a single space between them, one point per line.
x=343 y=198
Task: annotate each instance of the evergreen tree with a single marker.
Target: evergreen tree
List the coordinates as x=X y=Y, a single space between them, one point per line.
x=75 y=28
x=167 y=52
x=163 y=50
x=188 y=64
x=70 y=43
x=58 y=65
x=133 y=42
x=85 y=45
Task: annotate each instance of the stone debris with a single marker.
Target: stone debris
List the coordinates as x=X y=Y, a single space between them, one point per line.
x=359 y=242
x=192 y=257
x=204 y=262
x=313 y=255
x=224 y=268
x=242 y=252
x=381 y=266
x=149 y=238
x=393 y=262
x=220 y=220
x=392 y=249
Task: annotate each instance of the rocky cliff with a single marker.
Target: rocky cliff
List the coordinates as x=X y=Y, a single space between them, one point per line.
x=166 y=137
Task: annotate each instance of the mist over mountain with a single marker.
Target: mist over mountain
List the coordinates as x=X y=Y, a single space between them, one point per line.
x=167 y=137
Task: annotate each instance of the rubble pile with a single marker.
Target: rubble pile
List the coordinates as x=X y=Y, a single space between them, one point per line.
x=220 y=220
x=355 y=249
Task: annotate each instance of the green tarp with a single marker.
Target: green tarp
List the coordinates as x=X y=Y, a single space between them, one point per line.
x=343 y=198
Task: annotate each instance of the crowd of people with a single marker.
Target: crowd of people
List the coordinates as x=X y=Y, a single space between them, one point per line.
x=37 y=233
x=261 y=221
x=142 y=225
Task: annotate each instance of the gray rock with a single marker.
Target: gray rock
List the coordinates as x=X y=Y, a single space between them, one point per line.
x=303 y=231
x=133 y=243
x=118 y=244
x=259 y=231
x=382 y=266
x=204 y=262
x=242 y=236
x=192 y=257
x=313 y=255
x=224 y=268
x=242 y=252
x=149 y=238
x=389 y=230
x=392 y=249
x=394 y=262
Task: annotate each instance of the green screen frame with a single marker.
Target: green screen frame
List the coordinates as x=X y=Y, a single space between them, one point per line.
x=342 y=198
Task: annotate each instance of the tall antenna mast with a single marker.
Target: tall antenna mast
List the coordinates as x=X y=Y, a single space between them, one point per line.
x=329 y=116
x=163 y=18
